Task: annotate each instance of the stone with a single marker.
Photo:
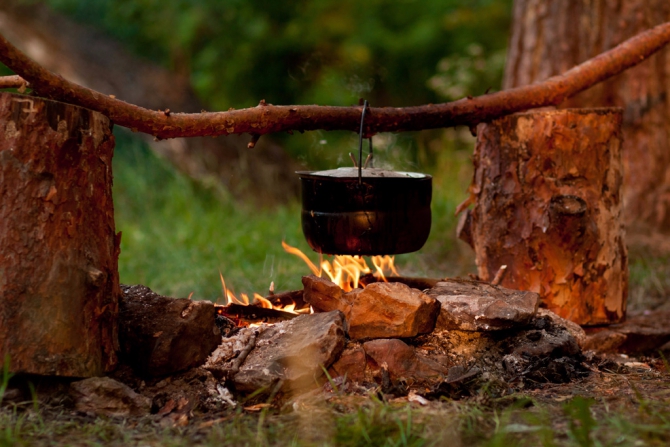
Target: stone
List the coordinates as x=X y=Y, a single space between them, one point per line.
x=545 y=339
x=402 y=361
x=324 y=295
x=479 y=306
x=106 y=396
x=352 y=364
x=542 y=351
x=293 y=354
x=391 y=310
x=639 y=334
x=161 y=335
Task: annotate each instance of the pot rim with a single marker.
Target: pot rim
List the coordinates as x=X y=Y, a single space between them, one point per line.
x=367 y=173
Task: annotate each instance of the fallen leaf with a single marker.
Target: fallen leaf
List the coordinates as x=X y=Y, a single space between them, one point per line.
x=257 y=407
x=167 y=408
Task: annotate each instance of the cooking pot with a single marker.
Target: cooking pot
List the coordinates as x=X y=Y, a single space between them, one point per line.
x=365 y=211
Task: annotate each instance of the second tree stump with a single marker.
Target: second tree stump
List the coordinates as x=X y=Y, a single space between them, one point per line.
x=547 y=196
x=59 y=280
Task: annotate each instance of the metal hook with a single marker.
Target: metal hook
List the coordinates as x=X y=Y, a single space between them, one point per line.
x=360 y=144
x=370 y=155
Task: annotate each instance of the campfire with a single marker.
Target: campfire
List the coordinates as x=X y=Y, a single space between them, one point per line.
x=346 y=271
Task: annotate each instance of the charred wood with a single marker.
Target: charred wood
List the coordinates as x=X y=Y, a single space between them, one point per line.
x=244 y=315
x=284 y=299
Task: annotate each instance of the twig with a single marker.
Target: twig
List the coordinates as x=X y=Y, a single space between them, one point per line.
x=210 y=423
x=499 y=276
x=266 y=118
x=251 y=344
x=254 y=139
x=13 y=81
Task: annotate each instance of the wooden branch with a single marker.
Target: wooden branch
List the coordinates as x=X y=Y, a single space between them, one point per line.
x=266 y=118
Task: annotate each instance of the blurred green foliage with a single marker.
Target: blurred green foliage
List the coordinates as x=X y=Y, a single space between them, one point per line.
x=299 y=52
x=391 y=52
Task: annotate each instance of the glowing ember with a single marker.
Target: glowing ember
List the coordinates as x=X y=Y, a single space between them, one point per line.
x=345 y=270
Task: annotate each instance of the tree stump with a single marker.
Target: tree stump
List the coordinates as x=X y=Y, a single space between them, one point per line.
x=547 y=195
x=59 y=285
x=549 y=38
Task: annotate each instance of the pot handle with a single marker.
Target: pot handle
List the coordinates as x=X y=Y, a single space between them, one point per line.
x=360 y=146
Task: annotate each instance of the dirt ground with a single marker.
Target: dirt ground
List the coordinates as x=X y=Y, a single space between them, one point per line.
x=622 y=401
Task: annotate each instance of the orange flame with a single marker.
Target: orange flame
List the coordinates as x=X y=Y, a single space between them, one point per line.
x=345 y=270
x=244 y=300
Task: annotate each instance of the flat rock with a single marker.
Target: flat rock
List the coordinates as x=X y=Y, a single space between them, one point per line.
x=161 y=335
x=292 y=354
x=640 y=334
x=391 y=310
x=479 y=306
x=106 y=396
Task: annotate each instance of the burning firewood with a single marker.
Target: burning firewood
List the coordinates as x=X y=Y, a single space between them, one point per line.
x=285 y=299
x=244 y=315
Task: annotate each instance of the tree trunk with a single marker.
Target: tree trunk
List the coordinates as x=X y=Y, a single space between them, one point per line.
x=59 y=285
x=548 y=205
x=551 y=37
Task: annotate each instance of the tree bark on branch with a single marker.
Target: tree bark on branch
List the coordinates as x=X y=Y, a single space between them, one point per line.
x=266 y=118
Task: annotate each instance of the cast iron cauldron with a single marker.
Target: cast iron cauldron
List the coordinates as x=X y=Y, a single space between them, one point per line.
x=381 y=212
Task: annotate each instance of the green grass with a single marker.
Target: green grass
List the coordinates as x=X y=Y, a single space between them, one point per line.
x=350 y=421
x=178 y=235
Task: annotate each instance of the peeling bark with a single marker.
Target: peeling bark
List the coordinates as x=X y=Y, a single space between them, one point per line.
x=547 y=189
x=59 y=284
